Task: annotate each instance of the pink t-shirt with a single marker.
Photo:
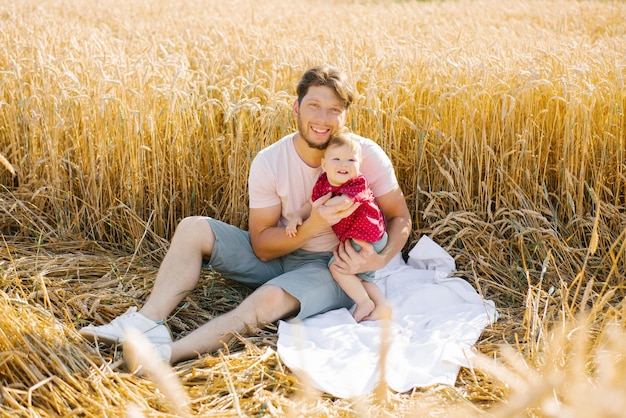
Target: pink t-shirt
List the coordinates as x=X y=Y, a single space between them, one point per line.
x=279 y=176
x=367 y=222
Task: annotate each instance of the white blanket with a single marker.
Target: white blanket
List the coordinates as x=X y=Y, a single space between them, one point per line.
x=436 y=320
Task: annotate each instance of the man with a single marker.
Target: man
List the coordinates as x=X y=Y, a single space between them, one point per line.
x=290 y=274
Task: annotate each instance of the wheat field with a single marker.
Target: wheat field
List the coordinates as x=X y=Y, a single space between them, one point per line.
x=505 y=121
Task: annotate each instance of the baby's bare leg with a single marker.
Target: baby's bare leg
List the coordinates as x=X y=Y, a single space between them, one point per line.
x=377 y=296
x=355 y=289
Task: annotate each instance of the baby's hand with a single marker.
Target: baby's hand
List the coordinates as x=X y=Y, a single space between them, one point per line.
x=292 y=227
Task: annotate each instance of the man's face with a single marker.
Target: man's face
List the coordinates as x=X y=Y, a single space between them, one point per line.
x=319 y=114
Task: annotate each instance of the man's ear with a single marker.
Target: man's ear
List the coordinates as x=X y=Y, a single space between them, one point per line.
x=296 y=107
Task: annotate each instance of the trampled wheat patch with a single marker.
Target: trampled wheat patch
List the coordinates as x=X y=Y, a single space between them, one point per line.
x=505 y=122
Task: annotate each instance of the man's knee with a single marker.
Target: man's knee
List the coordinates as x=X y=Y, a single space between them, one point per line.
x=272 y=303
x=196 y=231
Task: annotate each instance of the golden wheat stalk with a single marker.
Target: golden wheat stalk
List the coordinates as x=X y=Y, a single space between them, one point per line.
x=7 y=164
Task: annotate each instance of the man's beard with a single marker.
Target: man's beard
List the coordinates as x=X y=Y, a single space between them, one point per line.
x=321 y=147
x=304 y=136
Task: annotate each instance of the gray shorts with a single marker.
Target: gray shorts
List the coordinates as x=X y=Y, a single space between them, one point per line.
x=303 y=274
x=379 y=245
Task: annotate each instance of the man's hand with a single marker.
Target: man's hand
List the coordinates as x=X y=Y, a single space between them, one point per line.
x=331 y=210
x=349 y=261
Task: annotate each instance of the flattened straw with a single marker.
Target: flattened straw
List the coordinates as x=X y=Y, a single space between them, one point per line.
x=44 y=290
x=35 y=387
x=230 y=384
x=133 y=411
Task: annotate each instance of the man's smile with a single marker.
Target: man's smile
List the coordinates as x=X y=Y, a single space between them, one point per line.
x=320 y=131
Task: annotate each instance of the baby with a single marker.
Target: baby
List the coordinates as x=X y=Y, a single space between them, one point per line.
x=341 y=175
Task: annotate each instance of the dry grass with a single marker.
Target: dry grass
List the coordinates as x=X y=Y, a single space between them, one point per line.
x=505 y=121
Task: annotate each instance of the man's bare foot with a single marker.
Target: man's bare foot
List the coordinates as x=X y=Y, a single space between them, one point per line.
x=363 y=309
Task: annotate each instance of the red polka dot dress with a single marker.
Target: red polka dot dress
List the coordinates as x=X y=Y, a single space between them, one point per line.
x=367 y=222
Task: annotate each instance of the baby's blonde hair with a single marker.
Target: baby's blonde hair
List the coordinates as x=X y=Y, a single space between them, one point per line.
x=343 y=137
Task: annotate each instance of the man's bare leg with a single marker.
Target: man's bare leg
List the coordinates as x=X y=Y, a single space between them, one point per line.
x=265 y=305
x=180 y=270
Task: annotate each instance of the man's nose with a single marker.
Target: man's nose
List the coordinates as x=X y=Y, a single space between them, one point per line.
x=324 y=114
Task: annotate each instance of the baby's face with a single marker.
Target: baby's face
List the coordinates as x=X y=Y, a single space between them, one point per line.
x=341 y=164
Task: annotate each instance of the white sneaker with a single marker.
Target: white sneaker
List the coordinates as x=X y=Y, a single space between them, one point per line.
x=164 y=351
x=113 y=332
x=143 y=357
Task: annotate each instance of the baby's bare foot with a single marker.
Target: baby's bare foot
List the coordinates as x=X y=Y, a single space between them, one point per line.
x=379 y=312
x=363 y=309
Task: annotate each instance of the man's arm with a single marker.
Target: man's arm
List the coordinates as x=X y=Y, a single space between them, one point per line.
x=393 y=205
x=270 y=241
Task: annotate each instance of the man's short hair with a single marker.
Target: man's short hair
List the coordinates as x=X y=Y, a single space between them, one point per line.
x=324 y=75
